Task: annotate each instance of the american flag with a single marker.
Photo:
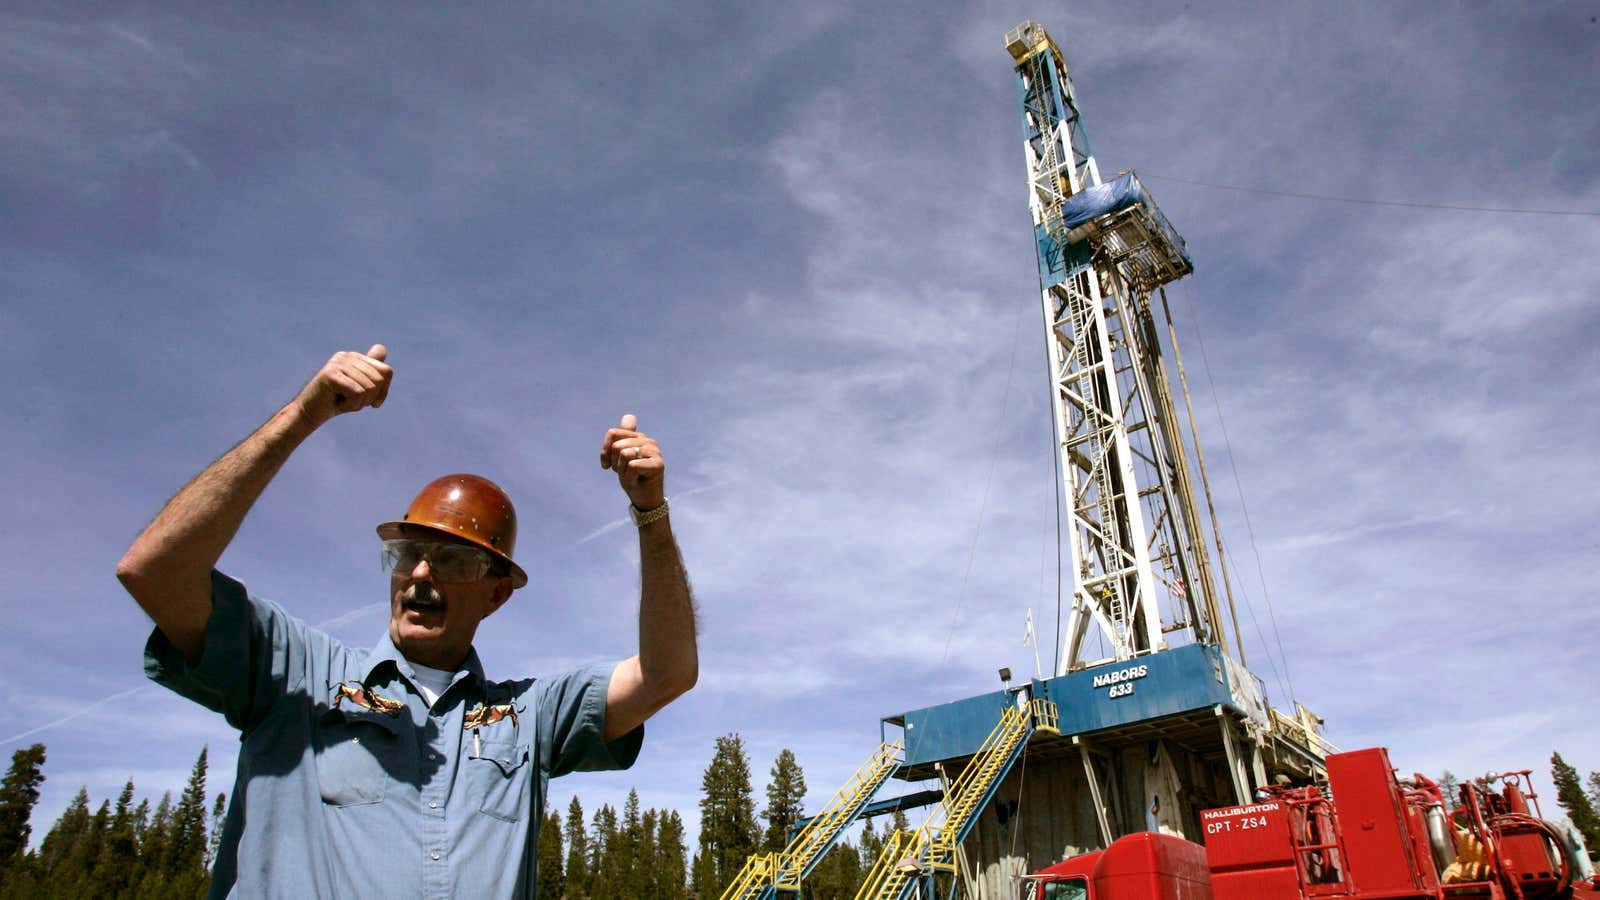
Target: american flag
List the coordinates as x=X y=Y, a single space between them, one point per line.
x=1179 y=589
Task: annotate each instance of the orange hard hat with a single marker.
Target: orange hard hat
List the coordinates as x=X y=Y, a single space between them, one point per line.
x=470 y=508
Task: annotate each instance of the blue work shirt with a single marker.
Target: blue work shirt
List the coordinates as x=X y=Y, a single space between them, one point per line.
x=351 y=785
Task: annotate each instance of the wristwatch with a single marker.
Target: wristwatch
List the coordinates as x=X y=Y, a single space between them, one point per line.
x=643 y=517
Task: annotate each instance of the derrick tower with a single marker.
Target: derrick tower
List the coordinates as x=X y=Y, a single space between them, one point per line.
x=1139 y=560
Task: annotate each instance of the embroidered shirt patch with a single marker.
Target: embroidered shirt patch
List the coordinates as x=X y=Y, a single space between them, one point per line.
x=367 y=698
x=488 y=715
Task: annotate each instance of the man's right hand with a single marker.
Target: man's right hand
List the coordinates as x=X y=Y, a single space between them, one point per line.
x=168 y=568
x=347 y=382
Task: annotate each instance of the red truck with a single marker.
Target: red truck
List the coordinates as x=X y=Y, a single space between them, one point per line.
x=1386 y=839
x=1143 y=866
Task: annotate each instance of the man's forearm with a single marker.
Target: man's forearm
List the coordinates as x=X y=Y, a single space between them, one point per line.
x=668 y=663
x=168 y=567
x=668 y=656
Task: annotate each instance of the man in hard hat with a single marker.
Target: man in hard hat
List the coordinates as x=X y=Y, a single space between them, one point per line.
x=398 y=771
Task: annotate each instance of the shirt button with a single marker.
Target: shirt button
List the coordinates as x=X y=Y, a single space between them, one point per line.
x=434 y=854
x=433 y=804
x=355 y=740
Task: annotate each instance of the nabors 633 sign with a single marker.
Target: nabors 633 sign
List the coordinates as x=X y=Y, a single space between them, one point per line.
x=1121 y=681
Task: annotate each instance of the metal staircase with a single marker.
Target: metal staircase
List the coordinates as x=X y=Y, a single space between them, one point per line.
x=897 y=867
x=909 y=858
x=766 y=874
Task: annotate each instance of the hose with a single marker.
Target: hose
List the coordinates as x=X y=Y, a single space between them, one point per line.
x=1520 y=822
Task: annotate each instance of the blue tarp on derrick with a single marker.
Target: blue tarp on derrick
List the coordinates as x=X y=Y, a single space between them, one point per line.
x=1094 y=202
x=1091 y=203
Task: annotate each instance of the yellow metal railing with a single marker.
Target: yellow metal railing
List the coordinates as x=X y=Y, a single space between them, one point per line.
x=932 y=847
x=785 y=869
x=817 y=836
x=961 y=803
x=1046 y=716
x=1025 y=40
x=897 y=865
x=757 y=873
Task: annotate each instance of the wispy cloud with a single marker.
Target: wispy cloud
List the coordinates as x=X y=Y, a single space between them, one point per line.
x=78 y=713
x=615 y=524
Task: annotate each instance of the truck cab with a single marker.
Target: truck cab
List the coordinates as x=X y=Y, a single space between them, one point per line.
x=1052 y=884
x=1143 y=866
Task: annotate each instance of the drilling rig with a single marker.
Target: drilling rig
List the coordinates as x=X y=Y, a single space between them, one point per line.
x=1150 y=715
x=1159 y=717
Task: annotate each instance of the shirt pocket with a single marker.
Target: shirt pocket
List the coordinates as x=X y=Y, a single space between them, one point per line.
x=351 y=752
x=497 y=779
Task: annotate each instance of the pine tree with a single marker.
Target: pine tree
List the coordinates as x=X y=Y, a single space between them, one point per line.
x=1450 y=787
x=1594 y=790
x=837 y=877
x=577 y=868
x=113 y=867
x=63 y=837
x=602 y=855
x=628 y=872
x=22 y=881
x=671 y=864
x=703 y=881
x=186 y=857
x=646 y=880
x=1569 y=793
x=189 y=821
x=871 y=845
x=550 y=881
x=77 y=877
x=214 y=844
x=19 y=793
x=154 y=849
x=141 y=823
x=786 y=794
x=728 y=829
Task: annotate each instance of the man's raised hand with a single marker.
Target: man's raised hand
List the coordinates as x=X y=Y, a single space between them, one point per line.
x=637 y=460
x=347 y=382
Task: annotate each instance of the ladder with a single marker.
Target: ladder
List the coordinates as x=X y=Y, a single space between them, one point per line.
x=908 y=858
x=766 y=874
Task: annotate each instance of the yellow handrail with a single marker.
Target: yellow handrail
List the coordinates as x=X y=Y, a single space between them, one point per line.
x=932 y=847
x=1046 y=716
x=888 y=877
x=819 y=834
x=786 y=869
x=758 y=871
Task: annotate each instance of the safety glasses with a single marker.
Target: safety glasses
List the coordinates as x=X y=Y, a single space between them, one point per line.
x=447 y=562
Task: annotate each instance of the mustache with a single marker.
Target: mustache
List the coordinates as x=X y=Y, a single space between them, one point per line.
x=422 y=593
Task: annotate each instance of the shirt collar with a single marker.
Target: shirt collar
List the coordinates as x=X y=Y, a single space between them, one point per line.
x=384 y=651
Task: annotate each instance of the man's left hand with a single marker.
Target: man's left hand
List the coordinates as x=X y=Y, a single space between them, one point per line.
x=637 y=461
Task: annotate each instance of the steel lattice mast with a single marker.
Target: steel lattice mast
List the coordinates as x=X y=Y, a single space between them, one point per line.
x=1140 y=565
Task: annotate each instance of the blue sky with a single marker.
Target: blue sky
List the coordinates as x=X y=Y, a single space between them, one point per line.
x=795 y=242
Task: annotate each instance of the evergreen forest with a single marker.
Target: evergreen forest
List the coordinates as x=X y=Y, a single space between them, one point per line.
x=127 y=849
